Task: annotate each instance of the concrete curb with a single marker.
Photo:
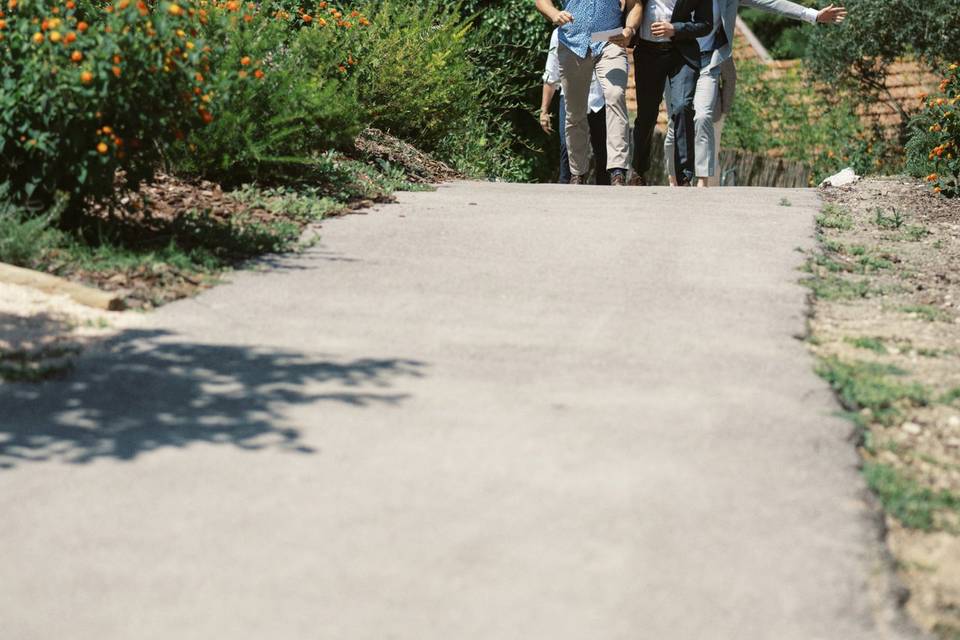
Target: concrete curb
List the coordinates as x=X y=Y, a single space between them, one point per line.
x=81 y=294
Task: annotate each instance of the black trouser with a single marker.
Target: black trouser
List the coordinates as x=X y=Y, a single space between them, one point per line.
x=598 y=140
x=654 y=65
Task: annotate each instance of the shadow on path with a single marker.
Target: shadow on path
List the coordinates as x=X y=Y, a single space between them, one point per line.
x=143 y=391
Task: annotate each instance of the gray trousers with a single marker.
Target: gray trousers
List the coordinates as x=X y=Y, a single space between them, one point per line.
x=707 y=123
x=576 y=74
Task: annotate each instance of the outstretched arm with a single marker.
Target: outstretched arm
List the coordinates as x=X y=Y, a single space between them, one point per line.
x=554 y=15
x=830 y=14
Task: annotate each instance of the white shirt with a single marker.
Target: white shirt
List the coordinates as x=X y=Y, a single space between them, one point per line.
x=551 y=75
x=657 y=11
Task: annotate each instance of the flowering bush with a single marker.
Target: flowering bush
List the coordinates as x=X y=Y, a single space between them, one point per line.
x=279 y=110
x=89 y=92
x=933 y=151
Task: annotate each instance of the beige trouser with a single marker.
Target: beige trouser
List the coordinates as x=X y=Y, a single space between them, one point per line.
x=576 y=74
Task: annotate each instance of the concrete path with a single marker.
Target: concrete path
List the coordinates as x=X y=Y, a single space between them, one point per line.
x=494 y=412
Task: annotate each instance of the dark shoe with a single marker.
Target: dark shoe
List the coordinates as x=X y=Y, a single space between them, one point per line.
x=618 y=178
x=576 y=179
x=638 y=181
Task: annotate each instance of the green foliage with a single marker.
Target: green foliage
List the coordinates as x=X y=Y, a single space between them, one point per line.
x=933 y=151
x=911 y=504
x=788 y=114
x=508 y=50
x=834 y=217
x=277 y=102
x=86 y=95
x=25 y=235
x=893 y=220
x=859 y=53
x=871 y=344
x=783 y=37
x=415 y=78
x=867 y=385
x=926 y=312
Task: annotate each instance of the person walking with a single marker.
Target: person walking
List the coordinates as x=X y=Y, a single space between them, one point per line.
x=580 y=59
x=596 y=116
x=711 y=103
x=667 y=55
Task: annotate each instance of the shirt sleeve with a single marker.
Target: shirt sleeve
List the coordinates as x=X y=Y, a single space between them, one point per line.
x=551 y=74
x=810 y=15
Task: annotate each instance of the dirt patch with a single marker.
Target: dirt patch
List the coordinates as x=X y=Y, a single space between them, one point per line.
x=41 y=334
x=887 y=328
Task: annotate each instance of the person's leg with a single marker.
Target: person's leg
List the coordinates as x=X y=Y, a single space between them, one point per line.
x=717 y=131
x=575 y=75
x=704 y=107
x=612 y=75
x=564 y=157
x=668 y=146
x=650 y=75
x=598 y=140
x=683 y=86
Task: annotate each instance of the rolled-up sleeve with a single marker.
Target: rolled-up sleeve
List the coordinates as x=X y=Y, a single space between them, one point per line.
x=551 y=74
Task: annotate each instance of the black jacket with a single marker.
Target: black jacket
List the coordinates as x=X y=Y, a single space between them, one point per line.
x=691 y=19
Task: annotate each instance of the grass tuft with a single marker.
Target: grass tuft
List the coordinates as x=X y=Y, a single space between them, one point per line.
x=908 y=502
x=868 y=385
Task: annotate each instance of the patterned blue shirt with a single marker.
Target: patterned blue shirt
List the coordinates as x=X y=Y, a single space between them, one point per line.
x=589 y=16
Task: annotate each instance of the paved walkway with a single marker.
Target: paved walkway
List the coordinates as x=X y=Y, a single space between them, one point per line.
x=494 y=412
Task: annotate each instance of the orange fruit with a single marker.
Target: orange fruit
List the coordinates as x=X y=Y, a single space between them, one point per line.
x=116 y=71
x=70 y=37
x=81 y=26
x=245 y=60
x=86 y=77
x=102 y=148
x=3 y=24
x=174 y=10
x=55 y=37
x=258 y=74
x=76 y=56
x=37 y=38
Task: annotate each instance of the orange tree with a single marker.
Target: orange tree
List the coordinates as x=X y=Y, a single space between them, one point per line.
x=93 y=90
x=933 y=151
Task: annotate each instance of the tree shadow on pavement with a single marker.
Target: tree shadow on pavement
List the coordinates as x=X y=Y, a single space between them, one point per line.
x=144 y=391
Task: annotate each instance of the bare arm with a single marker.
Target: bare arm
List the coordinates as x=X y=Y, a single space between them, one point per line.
x=548 y=92
x=551 y=13
x=634 y=18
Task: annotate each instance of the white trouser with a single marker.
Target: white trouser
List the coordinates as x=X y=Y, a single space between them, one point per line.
x=708 y=124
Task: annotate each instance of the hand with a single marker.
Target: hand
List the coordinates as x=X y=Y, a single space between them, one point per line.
x=831 y=15
x=562 y=18
x=623 y=40
x=545 y=122
x=662 y=30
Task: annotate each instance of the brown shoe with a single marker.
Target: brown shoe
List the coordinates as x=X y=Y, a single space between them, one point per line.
x=638 y=181
x=576 y=179
x=618 y=178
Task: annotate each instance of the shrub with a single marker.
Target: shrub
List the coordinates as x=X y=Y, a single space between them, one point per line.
x=508 y=50
x=860 y=52
x=414 y=79
x=88 y=93
x=934 y=147
x=787 y=113
x=279 y=104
